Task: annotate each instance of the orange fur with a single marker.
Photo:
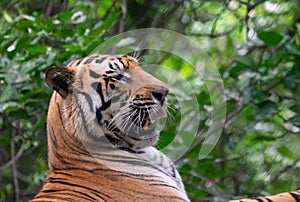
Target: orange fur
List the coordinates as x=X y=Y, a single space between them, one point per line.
x=76 y=175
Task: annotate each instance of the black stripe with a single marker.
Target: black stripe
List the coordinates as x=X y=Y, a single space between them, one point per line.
x=88 y=99
x=117 y=65
x=93 y=56
x=120 y=60
x=98 y=115
x=88 y=61
x=71 y=63
x=42 y=198
x=147 y=104
x=138 y=98
x=112 y=86
x=105 y=105
x=85 y=196
x=52 y=136
x=51 y=190
x=69 y=196
x=94 y=74
x=59 y=112
x=98 y=87
x=173 y=170
x=81 y=186
x=100 y=60
x=79 y=61
x=130 y=150
x=111 y=66
x=59 y=181
x=106 y=80
x=295 y=196
x=83 y=119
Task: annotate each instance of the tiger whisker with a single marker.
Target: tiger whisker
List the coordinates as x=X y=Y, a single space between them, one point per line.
x=133 y=122
x=118 y=118
x=170 y=110
x=124 y=121
x=122 y=112
x=124 y=126
x=139 y=124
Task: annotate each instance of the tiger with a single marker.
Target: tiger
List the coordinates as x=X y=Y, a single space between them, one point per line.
x=102 y=128
x=292 y=196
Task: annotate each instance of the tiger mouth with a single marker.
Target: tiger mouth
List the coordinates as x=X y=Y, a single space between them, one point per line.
x=152 y=120
x=148 y=123
x=144 y=129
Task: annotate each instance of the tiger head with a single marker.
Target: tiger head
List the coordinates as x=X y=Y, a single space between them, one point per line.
x=111 y=96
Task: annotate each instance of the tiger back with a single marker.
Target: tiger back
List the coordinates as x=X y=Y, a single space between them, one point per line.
x=101 y=129
x=292 y=196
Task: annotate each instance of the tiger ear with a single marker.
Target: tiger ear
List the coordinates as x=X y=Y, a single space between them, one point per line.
x=60 y=79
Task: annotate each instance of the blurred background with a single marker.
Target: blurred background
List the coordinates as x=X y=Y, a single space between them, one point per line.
x=253 y=43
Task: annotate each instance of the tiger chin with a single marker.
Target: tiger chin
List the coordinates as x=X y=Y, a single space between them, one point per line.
x=101 y=128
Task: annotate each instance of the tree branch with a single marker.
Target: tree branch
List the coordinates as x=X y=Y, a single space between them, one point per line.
x=108 y=11
x=213 y=35
x=48 y=9
x=14 y=158
x=14 y=166
x=249 y=7
x=123 y=18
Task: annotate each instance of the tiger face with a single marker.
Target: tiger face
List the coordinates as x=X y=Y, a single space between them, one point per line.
x=110 y=96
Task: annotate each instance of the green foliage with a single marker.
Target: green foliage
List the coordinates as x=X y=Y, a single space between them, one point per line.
x=254 y=44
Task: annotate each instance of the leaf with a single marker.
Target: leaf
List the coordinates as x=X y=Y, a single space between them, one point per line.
x=295 y=108
x=65 y=16
x=246 y=60
x=7 y=17
x=236 y=70
x=285 y=151
x=105 y=4
x=260 y=95
x=262 y=138
x=6 y=94
x=72 y=48
x=270 y=38
x=294 y=120
x=8 y=106
x=4 y=141
x=37 y=126
x=37 y=49
x=266 y=109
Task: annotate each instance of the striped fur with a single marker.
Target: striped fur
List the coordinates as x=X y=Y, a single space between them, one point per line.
x=101 y=131
x=292 y=196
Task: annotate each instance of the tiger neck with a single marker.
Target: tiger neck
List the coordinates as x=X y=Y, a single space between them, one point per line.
x=65 y=150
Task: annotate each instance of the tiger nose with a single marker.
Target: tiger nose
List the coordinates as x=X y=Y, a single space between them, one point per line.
x=160 y=94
